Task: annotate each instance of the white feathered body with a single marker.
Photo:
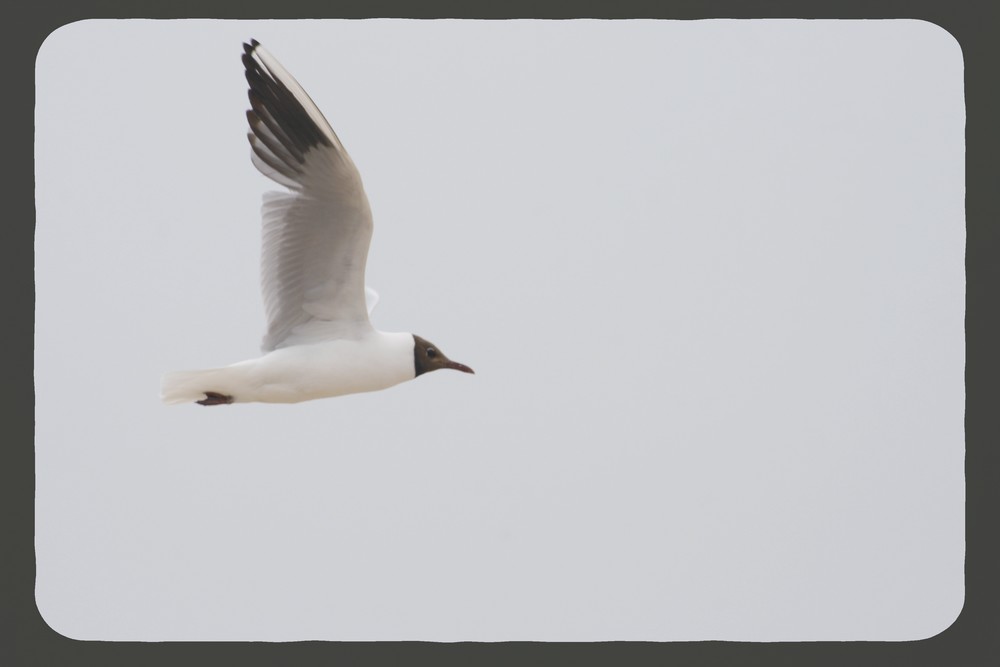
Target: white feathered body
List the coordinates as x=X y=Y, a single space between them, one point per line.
x=303 y=372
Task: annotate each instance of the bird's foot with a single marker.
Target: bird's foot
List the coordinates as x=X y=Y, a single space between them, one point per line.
x=215 y=398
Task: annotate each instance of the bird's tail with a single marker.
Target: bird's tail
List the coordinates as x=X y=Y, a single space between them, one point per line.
x=189 y=386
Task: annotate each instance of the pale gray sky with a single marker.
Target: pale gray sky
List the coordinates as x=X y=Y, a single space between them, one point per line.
x=710 y=275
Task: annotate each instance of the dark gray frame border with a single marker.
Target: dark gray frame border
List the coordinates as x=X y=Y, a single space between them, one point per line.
x=974 y=639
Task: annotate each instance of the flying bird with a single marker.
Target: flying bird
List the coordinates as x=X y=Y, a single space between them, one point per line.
x=319 y=340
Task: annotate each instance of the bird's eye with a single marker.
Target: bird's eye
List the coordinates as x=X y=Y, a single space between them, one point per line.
x=431 y=352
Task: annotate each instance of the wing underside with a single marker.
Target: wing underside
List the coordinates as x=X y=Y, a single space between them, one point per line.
x=315 y=237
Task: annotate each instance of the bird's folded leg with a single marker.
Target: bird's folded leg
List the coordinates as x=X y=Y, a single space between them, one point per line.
x=215 y=398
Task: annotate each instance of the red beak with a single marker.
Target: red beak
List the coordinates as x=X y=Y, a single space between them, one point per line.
x=459 y=367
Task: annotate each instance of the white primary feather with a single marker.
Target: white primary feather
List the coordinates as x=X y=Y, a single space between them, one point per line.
x=371 y=299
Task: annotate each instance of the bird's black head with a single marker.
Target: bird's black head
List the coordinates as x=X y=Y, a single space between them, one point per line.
x=427 y=357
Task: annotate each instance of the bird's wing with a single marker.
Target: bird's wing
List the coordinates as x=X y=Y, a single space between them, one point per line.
x=315 y=237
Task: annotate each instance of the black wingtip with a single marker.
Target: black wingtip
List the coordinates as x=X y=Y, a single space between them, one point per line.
x=249 y=47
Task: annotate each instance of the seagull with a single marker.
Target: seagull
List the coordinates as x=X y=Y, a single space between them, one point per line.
x=319 y=340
